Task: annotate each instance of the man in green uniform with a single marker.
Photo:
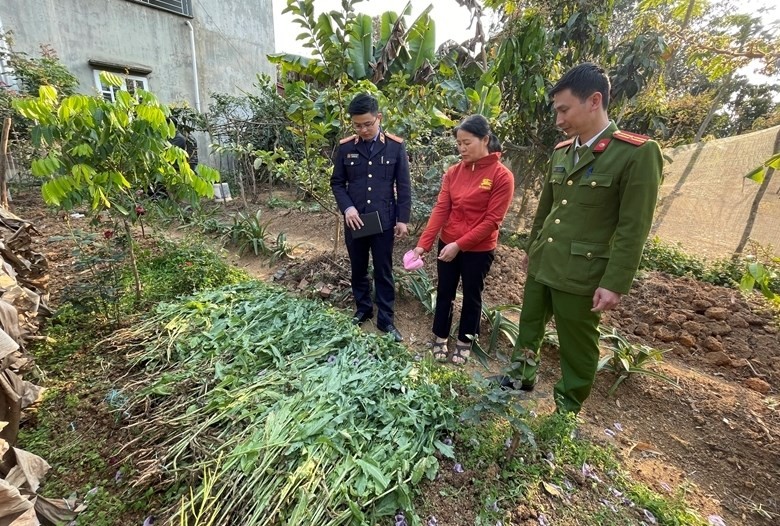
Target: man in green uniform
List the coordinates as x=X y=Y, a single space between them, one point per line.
x=594 y=214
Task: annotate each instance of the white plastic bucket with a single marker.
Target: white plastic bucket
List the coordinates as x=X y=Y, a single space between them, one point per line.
x=222 y=193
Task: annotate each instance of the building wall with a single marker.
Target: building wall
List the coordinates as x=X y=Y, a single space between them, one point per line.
x=232 y=41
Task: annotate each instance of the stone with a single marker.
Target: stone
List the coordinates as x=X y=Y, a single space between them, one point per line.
x=701 y=305
x=686 y=339
x=642 y=329
x=717 y=358
x=738 y=322
x=739 y=363
x=758 y=385
x=713 y=344
x=664 y=334
x=693 y=327
x=719 y=328
x=770 y=329
x=677 y=317
x=717 y=313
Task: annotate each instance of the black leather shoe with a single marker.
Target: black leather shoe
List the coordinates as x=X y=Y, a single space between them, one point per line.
x=361 y=317
x=507 y=382
x=392 y=331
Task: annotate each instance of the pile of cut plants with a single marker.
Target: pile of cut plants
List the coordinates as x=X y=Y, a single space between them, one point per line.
x=257 y=408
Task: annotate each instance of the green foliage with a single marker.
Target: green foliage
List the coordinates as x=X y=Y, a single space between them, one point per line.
x=287 y=386
x=758 y=174
x=758 y=276
x=419 y=284
x=104 y=153
x=626 y=359
x=182 y=268
x=250 y=233
x=46 y=70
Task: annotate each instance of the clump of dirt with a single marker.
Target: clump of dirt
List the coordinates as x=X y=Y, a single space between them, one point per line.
x=712 y=328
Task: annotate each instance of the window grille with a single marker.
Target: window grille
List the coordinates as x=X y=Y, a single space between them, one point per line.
x=180 y=7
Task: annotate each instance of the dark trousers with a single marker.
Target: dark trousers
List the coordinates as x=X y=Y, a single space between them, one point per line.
x=380 y=248
x=470 y=268
x=578 y=335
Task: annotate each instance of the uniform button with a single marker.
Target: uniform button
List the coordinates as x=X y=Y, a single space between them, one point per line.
x=549 y=240
x=569 y=182
x=564 y=202
x=368 y=202
x=352 y=163
x=369 y=188
x=370 y=176
x=370 y=163
x=593 y=183
x=557 y=221
x=589 y=255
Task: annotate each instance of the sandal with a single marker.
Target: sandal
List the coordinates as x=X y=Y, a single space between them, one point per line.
x=461 y=353
x=440 y=351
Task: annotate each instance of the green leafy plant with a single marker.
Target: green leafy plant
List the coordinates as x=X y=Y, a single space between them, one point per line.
x=626 y=359
x=282 y=249
x=757 y=275
x=107 y=155
x=250 y=233
x=419 y=284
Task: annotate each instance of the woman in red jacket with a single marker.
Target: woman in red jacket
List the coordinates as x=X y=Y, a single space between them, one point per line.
x=474 y=198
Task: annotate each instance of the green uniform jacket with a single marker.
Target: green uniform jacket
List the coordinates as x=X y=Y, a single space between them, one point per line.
x=593 y=217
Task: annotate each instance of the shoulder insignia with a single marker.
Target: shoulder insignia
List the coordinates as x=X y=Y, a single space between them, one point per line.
x=631 y=138
x=601 y=145
x=395 y=138
x=563 y=144
x=345 y=140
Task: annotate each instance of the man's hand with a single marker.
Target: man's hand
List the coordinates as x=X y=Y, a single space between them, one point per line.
x=401 y=231
x=352 y=218
x=604 y=299
x=449 y=252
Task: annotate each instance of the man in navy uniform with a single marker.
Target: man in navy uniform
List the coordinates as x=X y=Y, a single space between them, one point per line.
x=371 y=174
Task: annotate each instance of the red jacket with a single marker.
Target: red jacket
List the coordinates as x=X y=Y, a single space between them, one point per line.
x=472 y=203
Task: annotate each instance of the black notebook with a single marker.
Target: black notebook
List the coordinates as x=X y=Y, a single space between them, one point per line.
x=371 y=225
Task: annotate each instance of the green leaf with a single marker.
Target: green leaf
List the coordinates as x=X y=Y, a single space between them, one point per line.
x=361 y=47
x=371 y=469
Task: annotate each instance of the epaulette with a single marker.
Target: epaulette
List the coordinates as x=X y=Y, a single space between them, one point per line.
x=631 y=138
x=345 y=140
x=395 y=138
x=563 y=144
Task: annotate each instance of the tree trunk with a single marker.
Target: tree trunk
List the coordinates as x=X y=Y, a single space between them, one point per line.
x=4 y=163
x=133 y=261
x=713 y=108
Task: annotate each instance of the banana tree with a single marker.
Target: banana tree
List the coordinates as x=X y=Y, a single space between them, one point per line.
x=343 y=42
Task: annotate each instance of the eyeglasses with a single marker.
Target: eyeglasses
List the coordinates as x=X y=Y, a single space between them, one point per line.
x=364 y=126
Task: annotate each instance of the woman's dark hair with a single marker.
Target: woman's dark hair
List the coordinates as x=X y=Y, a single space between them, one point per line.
x=479 y=126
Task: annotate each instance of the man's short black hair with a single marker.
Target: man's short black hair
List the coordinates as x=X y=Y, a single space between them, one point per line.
x=584 y=80
x=362 y=104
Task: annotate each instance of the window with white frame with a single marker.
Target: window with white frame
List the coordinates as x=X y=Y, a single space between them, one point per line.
x=180 y=7
x=131 y=83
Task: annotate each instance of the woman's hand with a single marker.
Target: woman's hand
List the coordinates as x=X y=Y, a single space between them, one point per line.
x=418 y=252
x=449 y=252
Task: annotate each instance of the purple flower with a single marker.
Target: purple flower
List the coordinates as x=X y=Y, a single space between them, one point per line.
x=92 y=492
x=331 y=359
x=607 y=504
x=507 y=443
x=610 y=432
x=457 y=468
x=588 y=472
x=543 y=520
x=666 y=487
x=149 y=520
x=716 y=520
x=432 y=521
x=618 y=427
x=447 y=441
x=494 y=507
x=649 y=517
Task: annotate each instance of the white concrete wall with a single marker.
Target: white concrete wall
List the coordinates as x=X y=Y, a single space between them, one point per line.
x=232 y=39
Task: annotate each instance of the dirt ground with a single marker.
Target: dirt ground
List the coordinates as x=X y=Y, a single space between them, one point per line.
x=716 y=435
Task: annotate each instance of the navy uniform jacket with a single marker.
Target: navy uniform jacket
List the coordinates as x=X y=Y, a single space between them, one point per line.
x=376 y=182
